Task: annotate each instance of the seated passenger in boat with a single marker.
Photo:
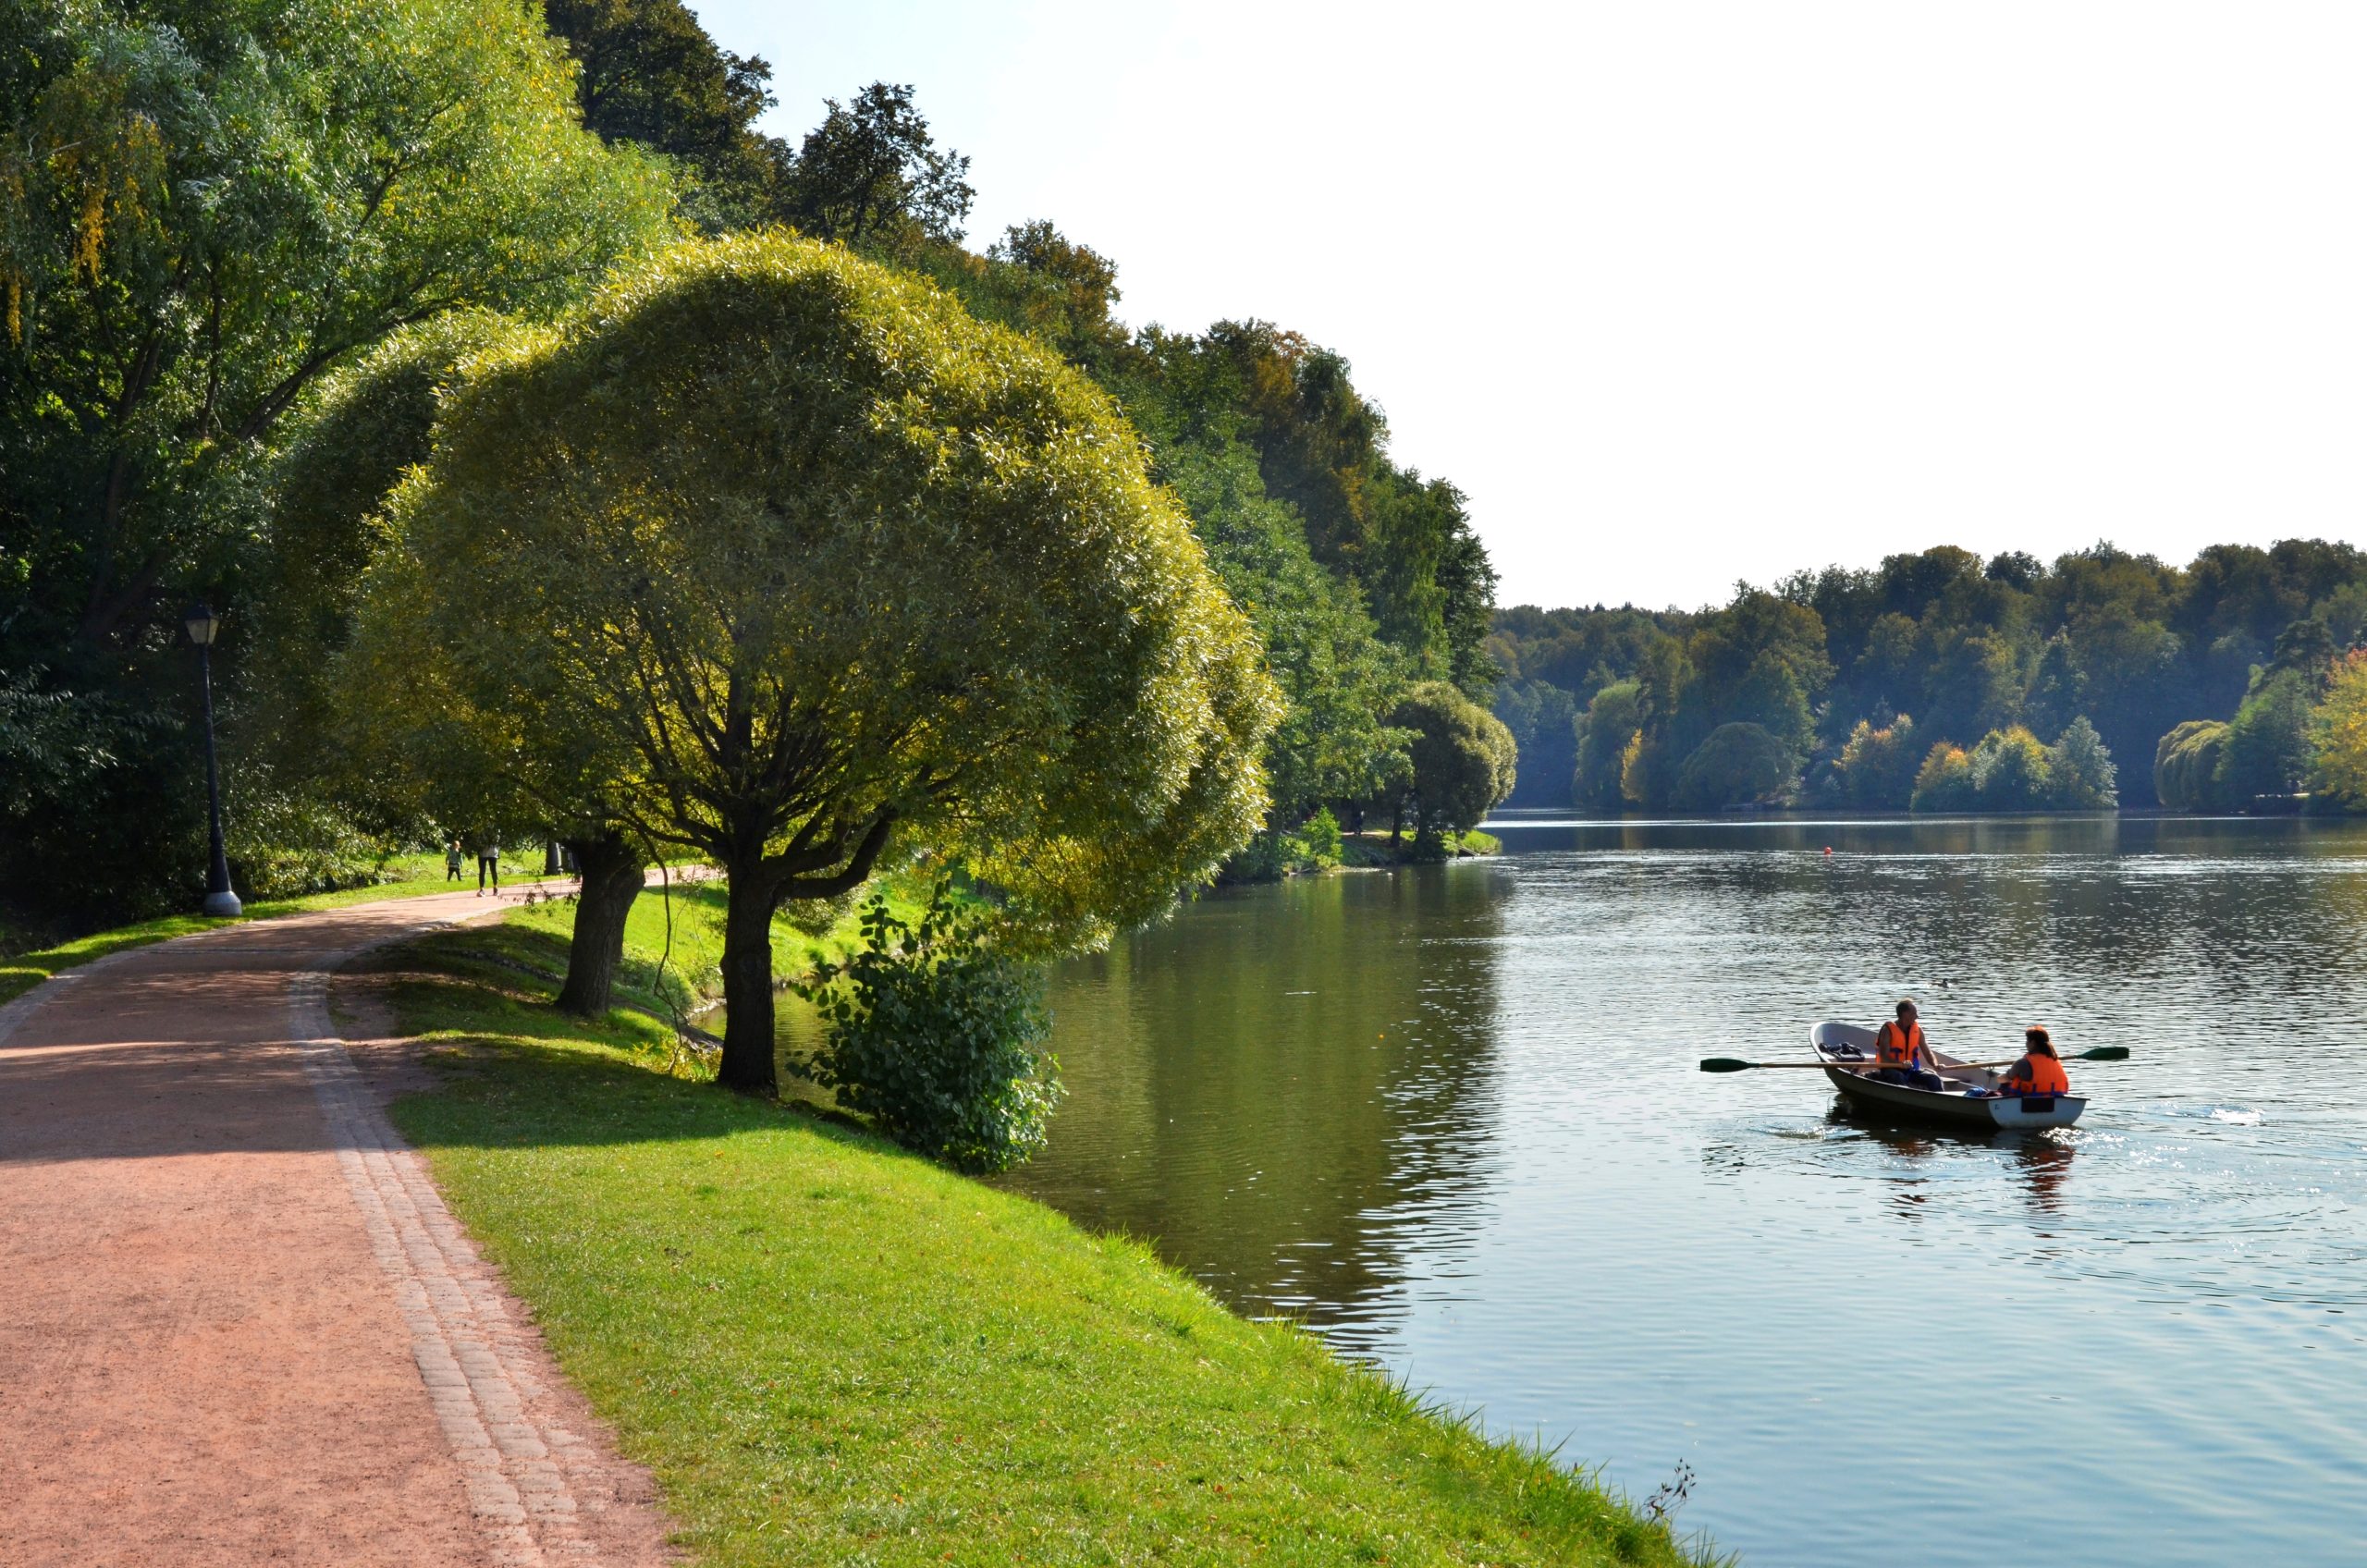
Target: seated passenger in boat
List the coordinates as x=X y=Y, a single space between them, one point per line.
x=1900 y=1054
x=2040 y=1070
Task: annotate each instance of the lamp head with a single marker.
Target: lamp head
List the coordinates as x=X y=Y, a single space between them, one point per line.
x=202 y=624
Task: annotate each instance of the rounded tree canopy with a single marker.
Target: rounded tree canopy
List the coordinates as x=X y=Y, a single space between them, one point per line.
x=809 y=552
x=1738 y=764
x=1464 y=758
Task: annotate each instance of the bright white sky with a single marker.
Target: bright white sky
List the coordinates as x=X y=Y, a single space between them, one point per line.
x=1680 y=293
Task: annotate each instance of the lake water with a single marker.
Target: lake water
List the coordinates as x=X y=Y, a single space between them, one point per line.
x=1451 y=1119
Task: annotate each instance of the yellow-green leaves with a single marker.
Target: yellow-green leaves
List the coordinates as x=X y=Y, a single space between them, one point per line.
x=807 y=546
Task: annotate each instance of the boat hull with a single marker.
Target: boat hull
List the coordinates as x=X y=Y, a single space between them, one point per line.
x=1847 y=1052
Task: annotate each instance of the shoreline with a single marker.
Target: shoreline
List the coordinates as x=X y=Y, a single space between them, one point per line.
x=793 y=1323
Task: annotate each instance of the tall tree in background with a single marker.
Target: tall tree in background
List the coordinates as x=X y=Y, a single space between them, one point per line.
x=204 y=209
x=651 y=75
x=871 y=174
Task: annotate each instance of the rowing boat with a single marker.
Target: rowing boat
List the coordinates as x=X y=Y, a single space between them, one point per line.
x=1847 y=1052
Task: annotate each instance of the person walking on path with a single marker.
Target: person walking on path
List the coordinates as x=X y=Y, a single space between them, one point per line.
x=489 y=864
x=452 y=859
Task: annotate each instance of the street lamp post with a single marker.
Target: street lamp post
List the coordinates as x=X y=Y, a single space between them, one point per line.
x=202 y=624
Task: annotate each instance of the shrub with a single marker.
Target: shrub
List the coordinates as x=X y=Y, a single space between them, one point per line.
x=1944 y=781
x=2186 y=766
x=2083 y=776
x=2339 y=733
x=1738 y=764
x=1320 y=840
x=2268 y=745
x=1607 y=736
x=1271 y=855
x=2010 y=771
x=1876 y=770
x=285 y=843
x=937 y=1036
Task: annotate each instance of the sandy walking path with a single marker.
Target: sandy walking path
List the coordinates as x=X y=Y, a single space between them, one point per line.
x=237 y=1324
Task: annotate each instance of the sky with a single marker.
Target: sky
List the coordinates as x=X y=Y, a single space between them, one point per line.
x=1683 y=294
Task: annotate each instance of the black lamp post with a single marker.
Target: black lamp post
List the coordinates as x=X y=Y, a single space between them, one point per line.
x=202 y=624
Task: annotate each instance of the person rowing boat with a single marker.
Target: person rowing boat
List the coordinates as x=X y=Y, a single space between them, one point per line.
x=1900 y=1055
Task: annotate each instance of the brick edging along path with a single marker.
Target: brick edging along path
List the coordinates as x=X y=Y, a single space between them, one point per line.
x=237 y=1323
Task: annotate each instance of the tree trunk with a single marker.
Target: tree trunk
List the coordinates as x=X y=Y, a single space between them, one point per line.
x=612 y=873
x=748 y=988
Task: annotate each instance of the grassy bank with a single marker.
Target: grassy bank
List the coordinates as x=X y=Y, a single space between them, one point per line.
x=832 y=1353
x=411 y=877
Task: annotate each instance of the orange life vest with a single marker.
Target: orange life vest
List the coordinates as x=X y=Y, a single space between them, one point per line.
x=1895 y=1047
x=2036 y=1074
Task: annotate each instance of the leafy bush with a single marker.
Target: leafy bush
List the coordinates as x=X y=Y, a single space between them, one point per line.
x=1738 y=764
x=1607 y=736
x=2339 y=733
x=2186 y=766
x=1944 y=783
x=1876 y=770
x=2083 y=776
x=284 y=843
x=1273 y=854
x=2010 y=772
x=2268 y=745
x=937 y=1036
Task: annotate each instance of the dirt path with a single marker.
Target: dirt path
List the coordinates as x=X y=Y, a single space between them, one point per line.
x=237 y=1324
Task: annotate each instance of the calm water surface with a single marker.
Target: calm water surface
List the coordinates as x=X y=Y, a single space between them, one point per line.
x=1451 y=1119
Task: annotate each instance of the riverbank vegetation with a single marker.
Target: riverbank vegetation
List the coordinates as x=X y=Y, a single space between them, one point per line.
x=829 y=1352
x=179 y=428
x=1939 y=681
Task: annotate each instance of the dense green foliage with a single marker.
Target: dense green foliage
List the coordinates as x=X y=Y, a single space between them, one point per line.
x=204 y=209
x=1360 y=576
x=2187 y=773
x=1832 y=663
x=208 y=218
x=2339 y=733
x=1462 y=757
x=717 y=529
x=770 y=1310
x=937 y=1036
x=2011 y=769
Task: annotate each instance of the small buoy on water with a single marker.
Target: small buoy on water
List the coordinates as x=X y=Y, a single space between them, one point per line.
x=1828 y=849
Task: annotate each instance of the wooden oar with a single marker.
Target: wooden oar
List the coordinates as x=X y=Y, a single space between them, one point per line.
x=1735 y=1064
x=2102 y=1053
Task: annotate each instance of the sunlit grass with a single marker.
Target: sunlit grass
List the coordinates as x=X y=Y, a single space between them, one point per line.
x=413 y=877
x=831 y=1351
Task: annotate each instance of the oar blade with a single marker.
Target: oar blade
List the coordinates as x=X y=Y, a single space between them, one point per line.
x=1725 y=1064
x=2105 y=1053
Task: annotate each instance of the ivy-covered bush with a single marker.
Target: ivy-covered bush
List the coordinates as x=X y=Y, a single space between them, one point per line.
x=937 y=1036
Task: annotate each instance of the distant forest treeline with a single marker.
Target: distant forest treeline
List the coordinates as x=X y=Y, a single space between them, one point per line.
x=1942 y=682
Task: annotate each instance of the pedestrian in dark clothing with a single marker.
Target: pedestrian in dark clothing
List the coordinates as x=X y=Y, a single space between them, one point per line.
x=489 y=865
x=452 y=860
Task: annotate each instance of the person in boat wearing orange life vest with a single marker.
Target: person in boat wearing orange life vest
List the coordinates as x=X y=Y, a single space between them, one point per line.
x=1900 y=1055
x=2040 y=1071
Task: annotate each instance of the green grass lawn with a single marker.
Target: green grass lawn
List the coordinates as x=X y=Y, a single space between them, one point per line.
x=413 y=875
x=831 y=1351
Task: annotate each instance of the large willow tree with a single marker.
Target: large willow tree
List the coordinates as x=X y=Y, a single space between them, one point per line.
x=827 y=567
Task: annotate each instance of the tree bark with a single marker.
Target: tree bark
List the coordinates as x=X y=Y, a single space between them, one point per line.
x=748 y=988
x=612 y=876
